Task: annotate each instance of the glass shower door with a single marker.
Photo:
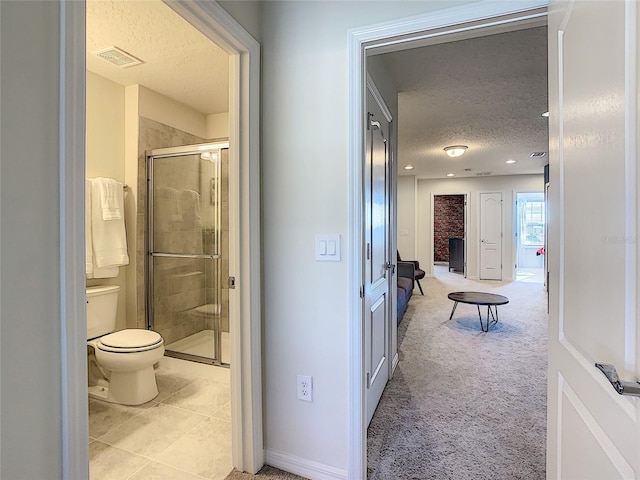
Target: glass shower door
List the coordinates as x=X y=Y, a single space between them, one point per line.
x=184 y=261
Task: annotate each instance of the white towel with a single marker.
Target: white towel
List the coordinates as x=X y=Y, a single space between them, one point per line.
x=106 y=272
x=88 y=242
x=109 y=236
x=110 y=192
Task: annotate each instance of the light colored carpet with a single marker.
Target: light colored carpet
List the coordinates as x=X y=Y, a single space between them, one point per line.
x=266 y=473
x=464 y=404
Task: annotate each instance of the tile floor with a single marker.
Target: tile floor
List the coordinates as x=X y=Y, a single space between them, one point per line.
x=182 y=434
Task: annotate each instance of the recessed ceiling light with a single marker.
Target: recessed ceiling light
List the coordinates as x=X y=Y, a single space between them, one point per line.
x=511 y=161
x=455 y=150
x=408 y=167
x=545 y=114
x=451 y=174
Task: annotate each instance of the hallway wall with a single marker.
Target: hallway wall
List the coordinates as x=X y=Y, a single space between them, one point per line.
x=406 y=188
x=306 y=187
x=30 y=355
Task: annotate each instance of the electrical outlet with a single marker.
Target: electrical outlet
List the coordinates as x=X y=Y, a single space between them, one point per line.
x=305 y=388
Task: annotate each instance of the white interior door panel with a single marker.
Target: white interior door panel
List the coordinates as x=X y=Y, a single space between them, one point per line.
x=594 y=433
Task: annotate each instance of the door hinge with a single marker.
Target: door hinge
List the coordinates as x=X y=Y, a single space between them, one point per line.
x=232 y=283
x=368 y=251
x=361 y=291
x=368 y=380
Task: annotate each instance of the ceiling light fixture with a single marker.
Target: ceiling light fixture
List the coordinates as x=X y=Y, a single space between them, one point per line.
x=455 y=150
x=451 y=174
x=118 y=57
x=408 y=167
x=545 y=114
x=511 y=161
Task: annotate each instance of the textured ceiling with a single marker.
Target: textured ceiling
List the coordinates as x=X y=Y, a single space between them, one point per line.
x=180 y=62
x=487 y=93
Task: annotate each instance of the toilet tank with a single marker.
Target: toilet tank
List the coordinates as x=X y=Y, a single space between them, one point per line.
x=102 y=305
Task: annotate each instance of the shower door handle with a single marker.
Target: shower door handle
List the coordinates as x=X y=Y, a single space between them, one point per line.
x=185 y=255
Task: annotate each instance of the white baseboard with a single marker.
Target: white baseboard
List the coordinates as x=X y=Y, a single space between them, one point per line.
x=306 y=468
x=394 y=363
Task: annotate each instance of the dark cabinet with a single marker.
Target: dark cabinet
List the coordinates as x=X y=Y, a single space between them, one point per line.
x=456 y=254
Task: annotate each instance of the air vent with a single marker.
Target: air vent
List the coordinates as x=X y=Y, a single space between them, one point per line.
x=538 y=154
x=483 y=174
x=118 y=57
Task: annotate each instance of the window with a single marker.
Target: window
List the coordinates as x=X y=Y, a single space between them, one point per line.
x=532 y=222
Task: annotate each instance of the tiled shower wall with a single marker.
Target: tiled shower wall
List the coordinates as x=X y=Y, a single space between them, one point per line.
x=448 y=222
x=187 y=283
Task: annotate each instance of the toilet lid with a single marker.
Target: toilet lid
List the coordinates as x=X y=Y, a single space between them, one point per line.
x=130 y=339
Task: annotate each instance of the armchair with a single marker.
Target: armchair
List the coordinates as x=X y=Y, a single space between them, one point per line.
x=418 y=273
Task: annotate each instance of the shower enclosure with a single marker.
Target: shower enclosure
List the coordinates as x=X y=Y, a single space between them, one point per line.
x=187 y=245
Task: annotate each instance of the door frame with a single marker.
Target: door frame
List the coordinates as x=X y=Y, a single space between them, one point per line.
x=467 y=196
x=246 y=381
x=515 y=239
x=441 y=26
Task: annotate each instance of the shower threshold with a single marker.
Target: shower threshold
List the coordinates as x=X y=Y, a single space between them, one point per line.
x=200 y=344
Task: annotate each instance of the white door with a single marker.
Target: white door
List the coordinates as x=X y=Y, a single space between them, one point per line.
x=594 y=433
x=491 y=236
x=377 y=299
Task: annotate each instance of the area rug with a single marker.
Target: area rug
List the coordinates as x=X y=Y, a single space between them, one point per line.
x=464 y=404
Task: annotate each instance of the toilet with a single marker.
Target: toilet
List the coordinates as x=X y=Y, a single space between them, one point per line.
x=120 y=362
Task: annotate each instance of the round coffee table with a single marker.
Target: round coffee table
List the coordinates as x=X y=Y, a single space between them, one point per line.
x=477 y=299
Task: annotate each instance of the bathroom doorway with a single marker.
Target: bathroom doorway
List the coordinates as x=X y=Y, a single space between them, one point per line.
x=129 y=114
x=187 y=257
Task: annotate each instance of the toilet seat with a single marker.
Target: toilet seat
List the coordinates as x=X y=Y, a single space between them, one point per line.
x=130 y=340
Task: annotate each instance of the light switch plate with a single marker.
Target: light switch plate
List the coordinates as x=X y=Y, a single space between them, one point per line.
x=328 y=248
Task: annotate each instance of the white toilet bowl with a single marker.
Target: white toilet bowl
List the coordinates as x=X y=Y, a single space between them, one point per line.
x=127 y=356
